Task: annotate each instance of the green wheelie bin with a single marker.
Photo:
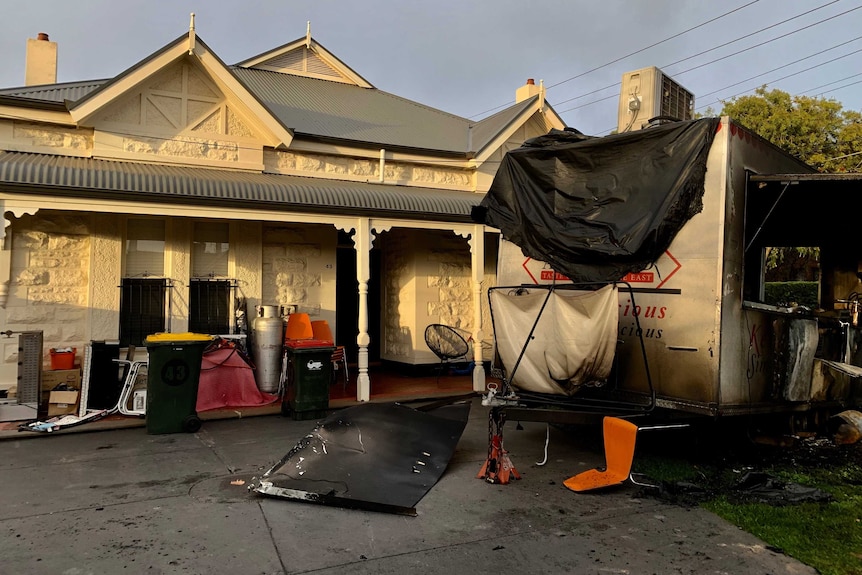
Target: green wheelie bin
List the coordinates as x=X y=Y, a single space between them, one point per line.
x=172 y=381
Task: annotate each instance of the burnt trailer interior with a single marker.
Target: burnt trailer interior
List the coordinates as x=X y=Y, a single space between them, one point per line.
x=687 y=216
x=820 y=214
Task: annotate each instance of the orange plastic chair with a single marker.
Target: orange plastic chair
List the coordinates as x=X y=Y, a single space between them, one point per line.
x=619 y=438
x=298 y=327
x=322 y=331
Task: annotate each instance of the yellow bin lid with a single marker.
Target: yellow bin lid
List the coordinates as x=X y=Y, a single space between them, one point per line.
x=171 y=337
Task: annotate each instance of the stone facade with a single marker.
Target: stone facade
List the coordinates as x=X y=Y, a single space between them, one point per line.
x=298 y=269
x=399 y=320
x=50 y=280
x=427 y=279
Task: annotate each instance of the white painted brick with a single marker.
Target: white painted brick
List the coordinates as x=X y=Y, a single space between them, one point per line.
x=42 y=260
x=364 y=168
x=68 y=277
x=31 y=277
x=10 y=350
x=271 y=252
x=56 y=296
x=30 y=239
x=289 y=265
x=29 y=314
x=70 y=244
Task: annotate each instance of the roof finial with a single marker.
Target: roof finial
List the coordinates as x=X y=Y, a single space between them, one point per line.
x=192 y=34
x=308 y=34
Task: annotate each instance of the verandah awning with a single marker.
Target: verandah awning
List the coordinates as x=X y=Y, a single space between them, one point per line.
x=128 y=181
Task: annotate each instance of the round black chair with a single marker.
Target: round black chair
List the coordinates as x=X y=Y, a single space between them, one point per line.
x=446 y=343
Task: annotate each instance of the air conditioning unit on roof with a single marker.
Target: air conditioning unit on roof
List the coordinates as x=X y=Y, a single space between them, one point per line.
x=649 y=93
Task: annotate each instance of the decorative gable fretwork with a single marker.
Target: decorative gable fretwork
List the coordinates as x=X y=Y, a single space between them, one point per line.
x=181 y=116
x=304 y=62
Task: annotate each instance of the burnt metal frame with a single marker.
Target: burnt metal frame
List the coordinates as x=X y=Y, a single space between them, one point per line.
x=530 y=402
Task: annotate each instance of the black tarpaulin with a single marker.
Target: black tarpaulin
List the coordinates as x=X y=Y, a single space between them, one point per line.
x=596 y=209
x=380 y=457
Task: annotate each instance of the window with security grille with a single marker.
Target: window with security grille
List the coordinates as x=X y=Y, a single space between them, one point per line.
x=210 y=306
x=143 y=303
x=210 y=295
x=144 y=297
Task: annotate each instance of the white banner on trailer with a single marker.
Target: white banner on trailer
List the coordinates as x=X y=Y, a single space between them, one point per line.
x=573 y=343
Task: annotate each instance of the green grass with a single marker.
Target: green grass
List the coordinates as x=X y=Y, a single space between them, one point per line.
x=826 y=536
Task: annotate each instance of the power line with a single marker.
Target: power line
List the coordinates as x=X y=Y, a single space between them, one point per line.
x=699 y=54
x=766 y=42
x=654 y=45
x=808 y=69
x=632 y=53
x=842 y=87
x=830 y=83
x=608 y=130
x=714 y=48
x=780 y=67
x=733 y=54
x=764 y=30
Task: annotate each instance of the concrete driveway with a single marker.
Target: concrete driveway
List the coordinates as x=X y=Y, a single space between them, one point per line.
x=122 y=501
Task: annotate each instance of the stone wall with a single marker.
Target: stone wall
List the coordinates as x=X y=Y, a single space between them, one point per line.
x=298 y=269
x=50 y=280
x=245 y=242
x=427 y=279
x=452 y=283
x=399 y=337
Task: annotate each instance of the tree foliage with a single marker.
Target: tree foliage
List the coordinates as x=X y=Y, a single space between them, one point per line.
x=818 y=131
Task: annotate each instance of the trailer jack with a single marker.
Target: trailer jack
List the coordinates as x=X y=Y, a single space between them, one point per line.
x=498 y=468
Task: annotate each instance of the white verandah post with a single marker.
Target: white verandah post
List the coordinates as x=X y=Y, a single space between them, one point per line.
x=477 y=253
x=363 y=241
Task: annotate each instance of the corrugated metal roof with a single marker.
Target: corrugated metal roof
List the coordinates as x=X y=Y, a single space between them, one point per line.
x=325 y=109
x=84 y=177
x=54 y=92
x=336 y=110
x=487 y=129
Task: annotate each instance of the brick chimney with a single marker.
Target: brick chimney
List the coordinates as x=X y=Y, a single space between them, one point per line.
x=526 y=91
x=41 y=66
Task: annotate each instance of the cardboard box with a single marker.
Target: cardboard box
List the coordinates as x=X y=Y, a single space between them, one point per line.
x=55 y=377
x=62 y=403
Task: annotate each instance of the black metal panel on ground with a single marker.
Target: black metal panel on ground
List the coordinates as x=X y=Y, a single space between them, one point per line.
x=381 y=457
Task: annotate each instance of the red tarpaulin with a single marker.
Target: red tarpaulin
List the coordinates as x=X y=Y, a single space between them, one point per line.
x=228 y=381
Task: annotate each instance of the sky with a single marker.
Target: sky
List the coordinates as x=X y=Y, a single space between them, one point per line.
x=468 y=58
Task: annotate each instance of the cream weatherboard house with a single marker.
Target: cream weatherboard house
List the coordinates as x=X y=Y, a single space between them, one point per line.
x=157 y=199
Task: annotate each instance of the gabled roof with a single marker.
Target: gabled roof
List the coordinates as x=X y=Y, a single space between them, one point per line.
x=318 y=108
x=185 y=46
x=346 y=110
x=305 y=57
